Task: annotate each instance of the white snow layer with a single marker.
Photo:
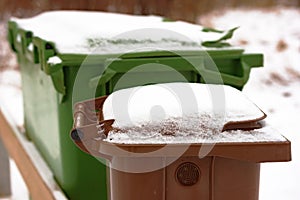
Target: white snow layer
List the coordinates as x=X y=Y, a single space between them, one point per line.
x=145 y=104
x=100 y=32
x=182 y=113
x=11 y=96
x=190 y=130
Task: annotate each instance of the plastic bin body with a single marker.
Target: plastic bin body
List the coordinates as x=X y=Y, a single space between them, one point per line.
x=48 y=99
x=218 y=178
x=230 y=170
x=46 y=119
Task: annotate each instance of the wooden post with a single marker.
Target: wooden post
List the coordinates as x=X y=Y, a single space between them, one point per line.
x=5 y=189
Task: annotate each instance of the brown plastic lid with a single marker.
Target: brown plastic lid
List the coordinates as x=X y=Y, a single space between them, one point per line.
x=90 y=129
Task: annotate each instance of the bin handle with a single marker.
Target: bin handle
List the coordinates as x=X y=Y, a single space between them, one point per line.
x=87 y=138
x=89 y=127
x=230 y=79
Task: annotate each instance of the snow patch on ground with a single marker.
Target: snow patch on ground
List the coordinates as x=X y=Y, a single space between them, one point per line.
x=11 y=95
x=18 y=187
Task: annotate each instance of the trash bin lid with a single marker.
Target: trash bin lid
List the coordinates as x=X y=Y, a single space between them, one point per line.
x=86 y=32
x=173 y=132
x=142 y=105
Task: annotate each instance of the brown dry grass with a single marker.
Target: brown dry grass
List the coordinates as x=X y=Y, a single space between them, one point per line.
x=281 y=46
x=294 y=74
x=277 y=78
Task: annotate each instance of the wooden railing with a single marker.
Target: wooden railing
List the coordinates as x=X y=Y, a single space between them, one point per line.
x=36 y=174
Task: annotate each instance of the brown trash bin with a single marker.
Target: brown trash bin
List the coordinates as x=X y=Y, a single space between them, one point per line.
x=230 y=171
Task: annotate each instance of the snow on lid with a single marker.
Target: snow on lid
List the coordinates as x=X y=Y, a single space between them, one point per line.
x=85 y=32
x=190 y=129
x=182 y=113
x=144 y=104
x=54 y=60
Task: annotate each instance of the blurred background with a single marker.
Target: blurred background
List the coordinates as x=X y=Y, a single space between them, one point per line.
x=270 y=27
x=188 y=10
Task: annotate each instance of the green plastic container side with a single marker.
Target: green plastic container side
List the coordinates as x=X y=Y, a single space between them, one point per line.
x=47 y=92
x=48 y=122
x=90 y=181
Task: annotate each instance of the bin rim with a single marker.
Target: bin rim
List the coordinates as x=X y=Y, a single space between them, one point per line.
x=258 y=152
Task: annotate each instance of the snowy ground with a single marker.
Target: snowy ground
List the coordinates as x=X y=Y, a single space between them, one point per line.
x=274 y=88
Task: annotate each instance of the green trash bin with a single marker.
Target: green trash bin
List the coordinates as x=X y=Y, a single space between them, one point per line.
x=49 y=94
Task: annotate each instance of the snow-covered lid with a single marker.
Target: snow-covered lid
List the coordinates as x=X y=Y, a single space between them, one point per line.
x=82 y=32
x=145 y=104
x=175 y=113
